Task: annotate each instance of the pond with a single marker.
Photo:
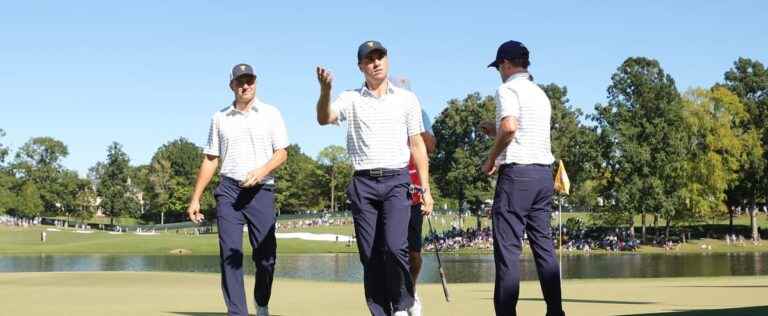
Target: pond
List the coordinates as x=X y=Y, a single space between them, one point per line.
x=458 y=268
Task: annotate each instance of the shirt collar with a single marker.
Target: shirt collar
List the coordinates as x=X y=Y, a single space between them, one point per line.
x=254 y=107
x=364 y=91
x=519 y=75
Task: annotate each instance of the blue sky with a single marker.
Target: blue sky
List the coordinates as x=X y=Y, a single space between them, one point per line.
x=144 y=73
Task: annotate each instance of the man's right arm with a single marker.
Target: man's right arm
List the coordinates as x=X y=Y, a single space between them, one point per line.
x=507 y=113
x=325 y=115
x=207 y=168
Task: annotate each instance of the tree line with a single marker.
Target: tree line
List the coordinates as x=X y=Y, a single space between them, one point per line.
x=649 y=150
x=35 y=183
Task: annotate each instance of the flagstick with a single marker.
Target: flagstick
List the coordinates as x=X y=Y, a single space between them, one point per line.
x=562 y=186
x=560 y=236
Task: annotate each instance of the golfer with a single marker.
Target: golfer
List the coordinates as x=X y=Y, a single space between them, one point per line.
x=524 y=189
x=249 y=138
x=383 y=130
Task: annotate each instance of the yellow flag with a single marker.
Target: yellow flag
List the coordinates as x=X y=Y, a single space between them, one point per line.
x=562 y=184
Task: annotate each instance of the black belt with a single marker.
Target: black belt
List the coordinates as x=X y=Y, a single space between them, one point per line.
x=268 y=186
x=380 y=172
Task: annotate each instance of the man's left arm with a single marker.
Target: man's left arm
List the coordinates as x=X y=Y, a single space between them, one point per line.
x=416 y=128
x=419 y=154
x=279 y=137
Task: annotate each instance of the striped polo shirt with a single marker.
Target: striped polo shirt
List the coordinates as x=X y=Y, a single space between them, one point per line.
x=247 y=140
x=378 y=127
x=523 y=100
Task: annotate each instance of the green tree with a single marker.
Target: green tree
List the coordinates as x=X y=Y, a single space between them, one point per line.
x=300 y=183
x=170 y=177
x=139 y=176
x=8 y=196
x=642 y=143
x=39 y=161
x=95 y=173
x=748 y=79
x=3 y=149
x=30 y=203
x=717 y=149
x=85 y=201
x=338 y=169
x=462 y=149
x=118 y=198
x=160 y=186
x=183 y=157
x=441 y=200
x=7 y=181
x=66 y=188
x=576 y=144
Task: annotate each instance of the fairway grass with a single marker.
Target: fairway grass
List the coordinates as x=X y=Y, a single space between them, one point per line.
x=19 y=241
x=198 y=294
x=16 y=241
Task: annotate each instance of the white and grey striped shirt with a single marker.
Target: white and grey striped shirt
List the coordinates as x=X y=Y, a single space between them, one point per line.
x=523 y=100
x=246 y=140
x=378 y=127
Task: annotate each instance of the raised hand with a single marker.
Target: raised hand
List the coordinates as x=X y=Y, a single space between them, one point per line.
x=325 y=78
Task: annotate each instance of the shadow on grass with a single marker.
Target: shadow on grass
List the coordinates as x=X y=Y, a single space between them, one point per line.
x=208 y=314
x=726 y=286
x=587 y=301
x=591 y=301
x=740 y=311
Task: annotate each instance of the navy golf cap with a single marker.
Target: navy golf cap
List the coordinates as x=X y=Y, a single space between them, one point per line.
x=367 y=47
x=510 y=50
x=241 y=70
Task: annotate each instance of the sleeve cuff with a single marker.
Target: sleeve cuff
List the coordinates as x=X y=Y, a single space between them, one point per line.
x=211 y=152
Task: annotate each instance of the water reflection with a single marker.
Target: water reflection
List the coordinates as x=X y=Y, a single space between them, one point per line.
x=460 y=269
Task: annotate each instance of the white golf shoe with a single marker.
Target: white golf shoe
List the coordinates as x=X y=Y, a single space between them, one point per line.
x=415 y=310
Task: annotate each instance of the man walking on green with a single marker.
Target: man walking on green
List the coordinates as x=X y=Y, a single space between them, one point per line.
x=383 y=130
x=249 y=138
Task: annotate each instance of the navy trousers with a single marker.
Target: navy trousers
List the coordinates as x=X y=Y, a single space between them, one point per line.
x=254 y=207
x=522 y=202
x=381 y=210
